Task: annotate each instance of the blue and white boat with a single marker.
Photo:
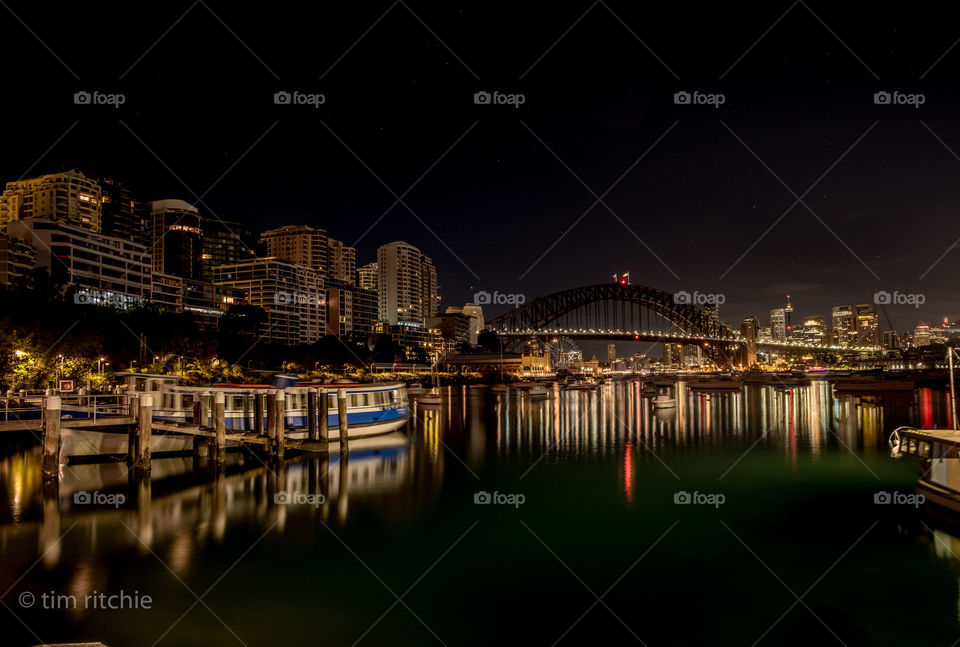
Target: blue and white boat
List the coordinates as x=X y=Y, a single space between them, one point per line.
x=372 y=409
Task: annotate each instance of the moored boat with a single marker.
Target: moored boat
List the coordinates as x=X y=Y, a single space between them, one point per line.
x=938 y=452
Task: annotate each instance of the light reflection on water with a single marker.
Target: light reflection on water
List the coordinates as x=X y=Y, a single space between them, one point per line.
x=394 y=481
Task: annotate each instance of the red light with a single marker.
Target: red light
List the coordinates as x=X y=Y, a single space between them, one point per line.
x=636 y=336
x=622 y=282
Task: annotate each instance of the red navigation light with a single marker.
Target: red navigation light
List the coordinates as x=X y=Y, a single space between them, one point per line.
x=636 y=336
x=622 y=282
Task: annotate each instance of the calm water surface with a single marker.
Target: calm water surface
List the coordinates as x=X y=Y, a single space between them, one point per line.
x=583 y=541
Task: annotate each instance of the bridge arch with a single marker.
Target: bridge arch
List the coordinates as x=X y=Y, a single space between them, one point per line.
x=610 y=306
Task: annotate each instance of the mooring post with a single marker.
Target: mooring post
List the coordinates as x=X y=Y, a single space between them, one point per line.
x=220 y=425
x=323 y=408
x=271 y=416
x=144 y=431
x=133 y=430
x=279 y=438
x=51 y=437
x=342 y=415
x=258 y=413
x=312 y=432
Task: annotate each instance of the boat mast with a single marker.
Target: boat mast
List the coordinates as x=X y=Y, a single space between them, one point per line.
x=953 y=393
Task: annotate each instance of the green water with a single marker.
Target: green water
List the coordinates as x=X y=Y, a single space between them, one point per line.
x=587 y=483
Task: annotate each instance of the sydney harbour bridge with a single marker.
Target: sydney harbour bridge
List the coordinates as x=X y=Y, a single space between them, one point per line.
x=617 y=311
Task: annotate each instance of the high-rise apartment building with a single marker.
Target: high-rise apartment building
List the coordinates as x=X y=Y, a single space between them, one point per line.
x=368 y=276
x=177 y=239
x=291 y=295
x=298 y=244
x=225 y=242
x=408 y=287
x=17 y=257
x=341 y=262
x=121 y=214
x=69 y=197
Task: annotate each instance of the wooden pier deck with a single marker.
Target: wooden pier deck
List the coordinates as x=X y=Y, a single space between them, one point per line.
x=211 y=441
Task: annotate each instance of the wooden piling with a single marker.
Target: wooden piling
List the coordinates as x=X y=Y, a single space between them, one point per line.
x=271 y=415
x=144 y=432
x=312 y=432
x=51 y=438
x=280 y=436
x=323 y=409
x=342 y=415
x=259 y=407
x=133 y=430
x=220 y=425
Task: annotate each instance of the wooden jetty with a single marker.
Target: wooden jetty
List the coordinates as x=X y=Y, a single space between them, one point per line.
x=210 y=441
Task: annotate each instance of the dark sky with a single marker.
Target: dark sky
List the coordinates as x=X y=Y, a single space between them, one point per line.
x=199 y=120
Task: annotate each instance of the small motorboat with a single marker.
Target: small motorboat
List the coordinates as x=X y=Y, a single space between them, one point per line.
x=663 y=402
x=432 y=397
x=537 y=390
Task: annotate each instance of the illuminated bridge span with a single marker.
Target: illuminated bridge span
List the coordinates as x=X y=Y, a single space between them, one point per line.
x=631 y=312
x=612 y=310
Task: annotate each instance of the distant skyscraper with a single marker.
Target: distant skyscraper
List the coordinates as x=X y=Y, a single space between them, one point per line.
x=813 y=329
x=748 y=329
x=298 y=244
x=341 y=261
x=778 y=324
x=69 y=197
x=788 y=318
x=367 y=276
x=890 y=340
x=408 y=287
x=868 y=325
x=177 y=240
x=611 y=352
x=844 y=325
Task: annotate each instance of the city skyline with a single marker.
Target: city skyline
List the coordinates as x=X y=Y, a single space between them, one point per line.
x=694 y=189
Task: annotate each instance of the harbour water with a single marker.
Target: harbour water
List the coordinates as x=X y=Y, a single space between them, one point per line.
x=758 y=516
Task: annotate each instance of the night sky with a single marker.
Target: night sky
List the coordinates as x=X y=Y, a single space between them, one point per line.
x=495 y=187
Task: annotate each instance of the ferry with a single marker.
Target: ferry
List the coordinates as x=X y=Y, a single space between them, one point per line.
x=938 y=452
x=372 y=409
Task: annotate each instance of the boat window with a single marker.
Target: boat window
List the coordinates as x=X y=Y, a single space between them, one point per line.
x=924 y=450
x=187 y=400
x=912 y=446
x=331 y=401
x=138 y=384
x=238 y=403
